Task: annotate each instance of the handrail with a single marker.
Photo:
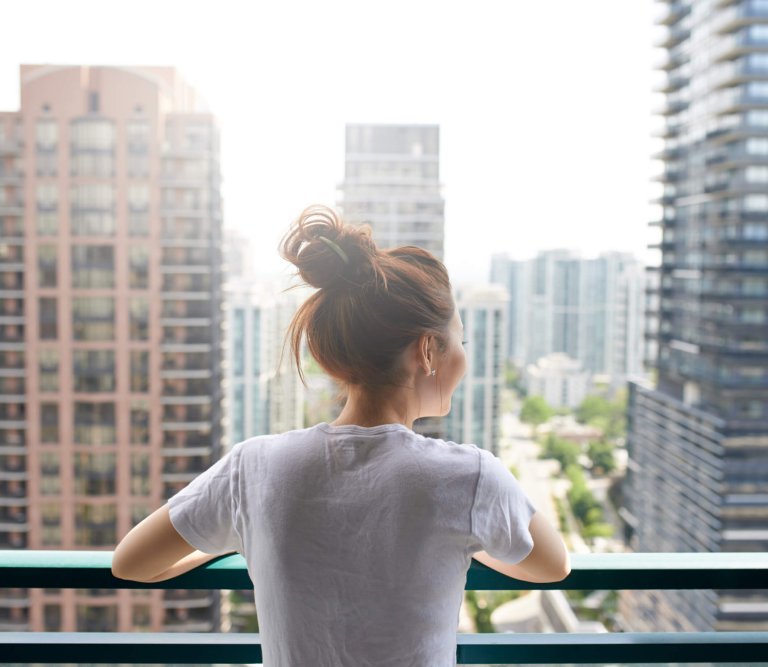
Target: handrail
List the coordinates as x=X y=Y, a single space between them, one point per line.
x=619 y=571
x=92 y=569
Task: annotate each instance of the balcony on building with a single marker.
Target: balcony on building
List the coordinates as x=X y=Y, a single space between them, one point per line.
x=674 y=35
x=187 y=600
x=738 y=16
x=736 y=45
x=672 y=12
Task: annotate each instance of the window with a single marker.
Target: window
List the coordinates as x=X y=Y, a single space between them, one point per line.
x=93 y=135
x=52 y=617
x=47 y=256
x=49 y=422
x=47 y=197
x=93 y=266
x=256 y=342
x=479 y=343
x=758 y=32
x=141 y=617
x=92 y=618
x=754 y=203
x=94 y=423
x=94 y=165
x=93 y=210
x=50 y=479
x=46 y=134
x=47 y=223
x=756 y=231
x=139 y=267
x=757 y=89
x=140 y=477
x=48 y=318
x=139 y=370
x=138 y=308
x=758 y=118
x=755 y=174
x=95 y=473
x=238 y=413
x=757 y=146
x=48 y=360
x=138 y=209
x=238 y=342
x=93 y=318
x=139 y=423
x=51 y=523
x=94 y=370
x=138 y=196
x=137 y=133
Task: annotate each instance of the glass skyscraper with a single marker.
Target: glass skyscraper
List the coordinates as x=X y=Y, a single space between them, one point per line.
x=698 y=442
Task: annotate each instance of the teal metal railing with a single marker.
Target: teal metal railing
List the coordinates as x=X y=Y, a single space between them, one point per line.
x=91 y=569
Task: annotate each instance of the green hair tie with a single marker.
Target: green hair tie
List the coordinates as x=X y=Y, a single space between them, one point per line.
x=336 y=248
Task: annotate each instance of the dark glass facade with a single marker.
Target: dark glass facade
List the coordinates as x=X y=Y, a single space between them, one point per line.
x=699 y=441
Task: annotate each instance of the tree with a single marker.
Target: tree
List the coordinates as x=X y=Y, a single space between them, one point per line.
x=513 y=378
x=564 y=451
x=593 y=408
x=601 y=455
x=609 y=416
x=535 y=410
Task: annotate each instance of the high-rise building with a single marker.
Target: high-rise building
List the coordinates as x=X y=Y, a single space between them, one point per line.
x=475 y=414
x=110 y=326
x=263 y=394
x=589 y=309
x=698 y=442
x=392 y=182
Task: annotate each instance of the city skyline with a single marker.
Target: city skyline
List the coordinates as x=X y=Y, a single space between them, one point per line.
x=577 y=179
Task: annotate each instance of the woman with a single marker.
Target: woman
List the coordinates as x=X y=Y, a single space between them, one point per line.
x=358 y=534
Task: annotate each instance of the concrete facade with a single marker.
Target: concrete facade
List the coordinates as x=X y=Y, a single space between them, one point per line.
x=110 y=332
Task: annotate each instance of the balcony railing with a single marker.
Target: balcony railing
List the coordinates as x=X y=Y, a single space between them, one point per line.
x=79 y=569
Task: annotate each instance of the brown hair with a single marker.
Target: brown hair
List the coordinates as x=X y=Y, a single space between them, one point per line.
x=370 y=305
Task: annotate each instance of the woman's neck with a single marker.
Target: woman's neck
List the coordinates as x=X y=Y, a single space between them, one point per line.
x=367 y=409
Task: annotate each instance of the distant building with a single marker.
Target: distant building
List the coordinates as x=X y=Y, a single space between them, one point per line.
x=110 y=327
x=475 y=415
x=589 y=309
x=238 y=256
x=559 y=379
x=698 y=441
x=263 y=396
x=392 y=182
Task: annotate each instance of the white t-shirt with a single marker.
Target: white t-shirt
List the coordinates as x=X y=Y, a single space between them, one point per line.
x=357 y=540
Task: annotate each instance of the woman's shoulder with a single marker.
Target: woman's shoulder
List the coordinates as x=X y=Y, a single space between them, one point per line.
x=457 y=453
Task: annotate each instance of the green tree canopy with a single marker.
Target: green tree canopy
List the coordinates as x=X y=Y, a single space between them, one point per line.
x=601 y=455
x=535 y=410
x=564 y=451
x=610 y=416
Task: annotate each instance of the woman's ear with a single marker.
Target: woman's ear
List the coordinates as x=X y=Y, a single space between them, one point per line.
x=424 y=347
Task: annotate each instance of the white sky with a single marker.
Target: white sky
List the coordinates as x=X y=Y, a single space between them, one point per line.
x=545 y=108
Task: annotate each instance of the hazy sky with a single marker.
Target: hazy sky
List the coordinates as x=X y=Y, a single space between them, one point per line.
x=545 y=108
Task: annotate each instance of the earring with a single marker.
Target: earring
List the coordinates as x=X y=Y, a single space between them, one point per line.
x=432 y=372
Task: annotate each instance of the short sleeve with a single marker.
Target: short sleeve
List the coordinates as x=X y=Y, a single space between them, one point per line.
x=501 y=512
x=203 y=512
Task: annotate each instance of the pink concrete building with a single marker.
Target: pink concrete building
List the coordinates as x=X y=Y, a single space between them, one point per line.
x=110 y=326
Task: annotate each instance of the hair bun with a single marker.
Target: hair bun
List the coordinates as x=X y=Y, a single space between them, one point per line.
x=328 y=253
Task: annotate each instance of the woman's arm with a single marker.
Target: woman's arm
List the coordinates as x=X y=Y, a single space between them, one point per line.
x=153 y=551
x=548 y=560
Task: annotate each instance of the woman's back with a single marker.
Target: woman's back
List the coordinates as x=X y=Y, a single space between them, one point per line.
x=357 y=539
